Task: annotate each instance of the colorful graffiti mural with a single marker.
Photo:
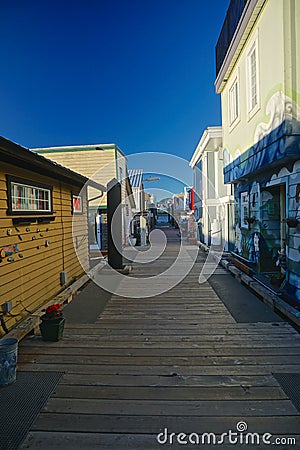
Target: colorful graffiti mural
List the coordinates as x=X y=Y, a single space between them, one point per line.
x=270 y=242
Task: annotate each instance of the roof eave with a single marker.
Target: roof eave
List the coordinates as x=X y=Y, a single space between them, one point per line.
x=15 y=154
x=245 y=25
x=209 y=134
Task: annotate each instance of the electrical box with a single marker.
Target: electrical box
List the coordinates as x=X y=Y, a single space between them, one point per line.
x=7 y=307
x=63 y=278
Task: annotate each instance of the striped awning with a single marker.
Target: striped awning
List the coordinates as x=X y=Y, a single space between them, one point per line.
x=135 y=177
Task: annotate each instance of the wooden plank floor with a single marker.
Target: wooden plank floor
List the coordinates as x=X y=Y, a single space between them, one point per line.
x=178 y=361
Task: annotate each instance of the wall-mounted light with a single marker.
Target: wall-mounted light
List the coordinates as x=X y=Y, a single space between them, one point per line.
x=151 y=179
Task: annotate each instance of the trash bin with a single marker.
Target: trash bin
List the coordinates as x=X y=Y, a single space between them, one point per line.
x=8 y=360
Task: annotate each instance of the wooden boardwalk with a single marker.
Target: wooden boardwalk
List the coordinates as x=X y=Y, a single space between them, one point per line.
x=177 y=361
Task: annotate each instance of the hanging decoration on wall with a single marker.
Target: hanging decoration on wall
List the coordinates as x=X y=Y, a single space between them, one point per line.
x=47 y=243
x=9 y=250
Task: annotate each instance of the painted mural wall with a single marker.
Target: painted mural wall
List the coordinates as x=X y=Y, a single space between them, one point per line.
x=267 y=226
x=261 y=147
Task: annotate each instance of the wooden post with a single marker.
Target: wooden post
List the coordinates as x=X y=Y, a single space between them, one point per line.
x=114 y=224
x=143 y=230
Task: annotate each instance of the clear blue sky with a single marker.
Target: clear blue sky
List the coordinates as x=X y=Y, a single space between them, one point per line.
x=138 y=73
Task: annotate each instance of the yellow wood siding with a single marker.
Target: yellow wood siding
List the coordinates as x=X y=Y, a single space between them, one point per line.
x=33 y=279
x=99 y=165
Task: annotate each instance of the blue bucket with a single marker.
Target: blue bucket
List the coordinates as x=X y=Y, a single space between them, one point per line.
x=8 y=360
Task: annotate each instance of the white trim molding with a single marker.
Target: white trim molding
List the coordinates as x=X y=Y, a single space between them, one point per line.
x=251 y=12
x=212 y=135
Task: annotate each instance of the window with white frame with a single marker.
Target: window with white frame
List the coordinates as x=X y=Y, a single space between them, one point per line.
x=24 y=197
x=252 y=79
x=234 y=109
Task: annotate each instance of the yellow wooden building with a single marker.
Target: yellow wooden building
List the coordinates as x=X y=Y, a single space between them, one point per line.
x=100 y=163
x=38 y=201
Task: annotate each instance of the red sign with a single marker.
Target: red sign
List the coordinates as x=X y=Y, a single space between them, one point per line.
x=77 y=204
x=191 y=199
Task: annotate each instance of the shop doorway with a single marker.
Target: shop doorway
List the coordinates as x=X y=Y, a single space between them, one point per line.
x=273 y=234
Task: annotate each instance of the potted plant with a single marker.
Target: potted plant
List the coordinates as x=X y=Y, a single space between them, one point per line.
x=276 y=279
x=53 y=322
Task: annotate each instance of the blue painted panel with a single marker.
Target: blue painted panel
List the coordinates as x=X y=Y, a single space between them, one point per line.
x=268 y=151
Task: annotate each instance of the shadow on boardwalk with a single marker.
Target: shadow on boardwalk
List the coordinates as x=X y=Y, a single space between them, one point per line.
x=178 y=361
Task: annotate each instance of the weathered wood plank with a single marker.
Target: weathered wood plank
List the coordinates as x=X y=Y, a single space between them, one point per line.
x=106 y=369
x=184 y=324
x=170 y=393
x=159 y=381
x=140 y=361
x=153 y=424
x=198 y=408
x=159 y=352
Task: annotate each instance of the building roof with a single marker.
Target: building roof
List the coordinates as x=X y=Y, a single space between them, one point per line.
x=210 y=140
x=136 y=177
x=239 y=22
x=78 y=148
x=15 y=154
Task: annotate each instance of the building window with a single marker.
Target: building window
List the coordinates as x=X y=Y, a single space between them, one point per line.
x=234 y=109
x=121 y=175
x=252 y=80
x=244 y=209
x=26 y=197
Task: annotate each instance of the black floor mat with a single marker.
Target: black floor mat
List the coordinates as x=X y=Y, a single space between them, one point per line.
x=87 y=305
x=290 y=383
x=244 y=306
x=20 y=404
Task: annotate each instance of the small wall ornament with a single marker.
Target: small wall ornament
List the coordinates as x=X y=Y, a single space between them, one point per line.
x=9 y=250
